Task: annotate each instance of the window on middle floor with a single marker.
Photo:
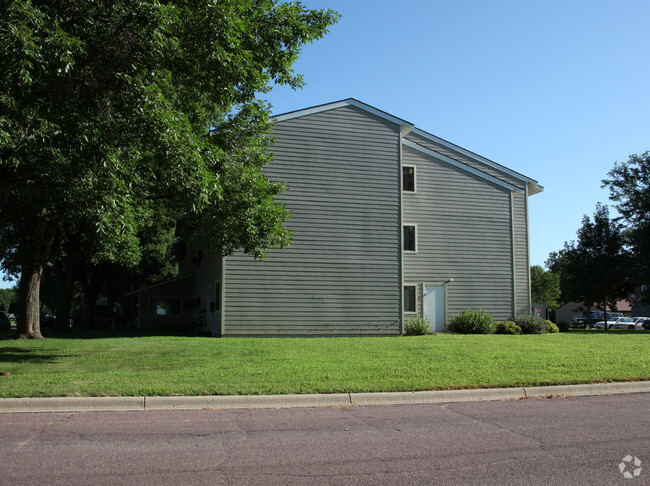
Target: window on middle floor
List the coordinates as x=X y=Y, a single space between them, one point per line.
x=408 y=179
x=409 y=237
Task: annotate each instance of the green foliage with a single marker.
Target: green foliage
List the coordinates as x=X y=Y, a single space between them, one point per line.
x=7 y=297
x=596 y=268
x=545 y=287
x=551 y=328
x=473 y=322
x=417 y=326
x=629 y=186
x=563 y=326
x=507 y=327
x=105 y=109
x=530 y=323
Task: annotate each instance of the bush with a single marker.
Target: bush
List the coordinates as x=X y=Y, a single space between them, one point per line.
x=563 y=326
x=417 y=326
x=473 y=322
x=530 y=324
x=508 y=327
x=551 y=328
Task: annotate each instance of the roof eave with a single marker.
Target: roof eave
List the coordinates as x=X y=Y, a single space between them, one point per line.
x=534 y=188
x=478 y=158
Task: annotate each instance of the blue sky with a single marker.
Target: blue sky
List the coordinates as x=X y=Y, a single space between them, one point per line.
x=556 y=90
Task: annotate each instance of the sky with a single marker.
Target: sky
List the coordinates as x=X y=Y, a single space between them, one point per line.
x=556 y=90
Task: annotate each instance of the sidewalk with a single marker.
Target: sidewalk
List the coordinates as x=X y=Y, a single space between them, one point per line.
x=115 y=404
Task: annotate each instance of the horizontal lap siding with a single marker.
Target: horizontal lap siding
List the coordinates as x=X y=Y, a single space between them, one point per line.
x=340 y=275
x=463 y=232
x=521 y=254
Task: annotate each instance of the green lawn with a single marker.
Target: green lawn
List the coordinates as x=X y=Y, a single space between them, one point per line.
x=96 y=365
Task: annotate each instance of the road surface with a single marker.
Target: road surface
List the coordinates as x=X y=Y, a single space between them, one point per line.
x=574 y=441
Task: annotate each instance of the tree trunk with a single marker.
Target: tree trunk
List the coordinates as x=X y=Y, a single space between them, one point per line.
x=605 y=313
x=29 y=324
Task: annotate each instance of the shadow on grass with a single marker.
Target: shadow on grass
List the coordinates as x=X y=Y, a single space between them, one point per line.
x=613 y=332
x=21 y=355
x=99 y=334
x=105 y=334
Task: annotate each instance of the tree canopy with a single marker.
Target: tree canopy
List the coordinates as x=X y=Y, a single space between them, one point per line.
x=106 y=111
x=596 y=268
x=629 y=185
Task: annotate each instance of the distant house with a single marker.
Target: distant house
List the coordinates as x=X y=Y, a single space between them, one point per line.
x=389 y=222
x=571 y=310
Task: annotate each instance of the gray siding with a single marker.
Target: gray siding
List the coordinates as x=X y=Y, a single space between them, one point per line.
x=520 y=211
x=464 y=233
x=340 y=275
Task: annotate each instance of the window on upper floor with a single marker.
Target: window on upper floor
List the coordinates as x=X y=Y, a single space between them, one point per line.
x=408 y=178
x=409 y=238
x=409 y=298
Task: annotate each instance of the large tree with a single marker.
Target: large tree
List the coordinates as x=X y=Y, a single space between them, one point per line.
x=596 y=268
x=629 y=185
x=104 y=114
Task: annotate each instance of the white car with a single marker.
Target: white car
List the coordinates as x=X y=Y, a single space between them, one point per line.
x=640 y=323
x=621 y=323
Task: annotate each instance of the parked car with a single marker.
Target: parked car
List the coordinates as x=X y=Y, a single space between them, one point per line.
x=641 y=323
x=586 y=320
x=618 y=323
x=5 y=323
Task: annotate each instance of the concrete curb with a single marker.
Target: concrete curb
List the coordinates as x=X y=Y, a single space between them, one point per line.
x=245 y=401
x=71 y=404
x=438 y=396
x=589 y=389
x=117 y=404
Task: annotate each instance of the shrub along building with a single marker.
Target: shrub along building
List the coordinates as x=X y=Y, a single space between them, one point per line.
x=389 y=222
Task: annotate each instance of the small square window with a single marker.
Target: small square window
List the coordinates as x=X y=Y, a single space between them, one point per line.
x=409 y=238
x=409 y=298
x=408 y=179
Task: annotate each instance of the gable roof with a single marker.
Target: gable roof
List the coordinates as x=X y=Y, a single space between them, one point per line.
x=407 y=127
x=339 y=104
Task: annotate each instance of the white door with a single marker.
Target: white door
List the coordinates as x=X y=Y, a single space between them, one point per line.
x=434 y=306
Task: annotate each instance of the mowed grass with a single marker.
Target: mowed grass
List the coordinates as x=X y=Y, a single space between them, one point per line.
x=97 y=365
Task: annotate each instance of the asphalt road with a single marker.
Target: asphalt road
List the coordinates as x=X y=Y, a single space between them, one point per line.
x=573 y=441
